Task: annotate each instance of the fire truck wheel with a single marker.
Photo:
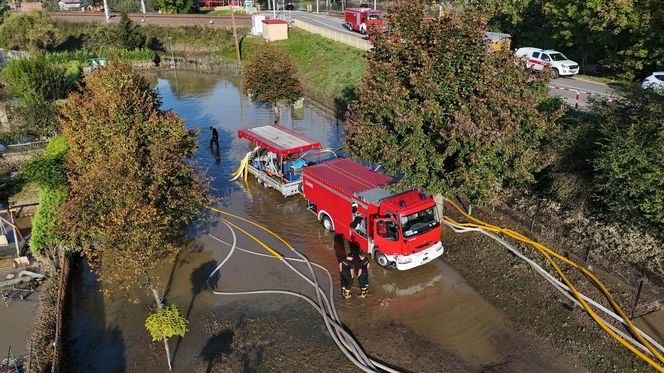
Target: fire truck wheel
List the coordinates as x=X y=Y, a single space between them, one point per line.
x=327 y=223
x=382 y=260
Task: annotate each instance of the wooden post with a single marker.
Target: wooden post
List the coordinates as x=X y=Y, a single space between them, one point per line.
x=636 y=301
x=588 y=254
x=237 y=44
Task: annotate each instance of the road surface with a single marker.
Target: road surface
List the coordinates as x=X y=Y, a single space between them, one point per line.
x=571 y=88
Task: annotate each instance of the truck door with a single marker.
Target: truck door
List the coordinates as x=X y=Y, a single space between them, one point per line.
x=358 y=19
x=386 y=236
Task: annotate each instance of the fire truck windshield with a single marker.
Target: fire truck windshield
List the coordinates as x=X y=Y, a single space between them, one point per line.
x=373 y=16
x=419 y=222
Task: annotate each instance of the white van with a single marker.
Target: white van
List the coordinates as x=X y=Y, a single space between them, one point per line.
x=536 y=59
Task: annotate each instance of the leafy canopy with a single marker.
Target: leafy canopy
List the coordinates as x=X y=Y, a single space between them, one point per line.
x=33 y=31
x=271 y=77
x=165 y=323
x=38 y=84
x=629 y=166
x=132 y=191
x=440 y=109
x=175 y=6
x=48 y=171
x=125 y=35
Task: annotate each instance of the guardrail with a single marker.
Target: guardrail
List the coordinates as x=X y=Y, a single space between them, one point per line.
x=18 y=148
x=337 y=36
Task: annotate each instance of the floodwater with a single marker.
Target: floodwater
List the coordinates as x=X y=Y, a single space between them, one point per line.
x=433 y=303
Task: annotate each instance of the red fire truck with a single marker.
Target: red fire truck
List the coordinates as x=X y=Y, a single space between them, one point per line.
x=399 y=230
x=360 y=19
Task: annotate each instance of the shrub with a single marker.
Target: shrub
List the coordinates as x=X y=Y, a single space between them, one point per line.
x=33 y=31
x=271 y=77
x=629 y=166
x=49 y=173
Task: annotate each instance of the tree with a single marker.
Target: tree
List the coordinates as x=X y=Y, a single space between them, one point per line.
x=131 y=189
x=4 y=10
x=33 y=31
x=38 y=85
x=629 y=164
x=175 y=6
x=126 y=35
x=165 y=323
x=129 y=34
x=439 y=108
x=271 y=77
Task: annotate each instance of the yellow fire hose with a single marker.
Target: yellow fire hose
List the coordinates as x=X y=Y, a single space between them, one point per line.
x=548 y=253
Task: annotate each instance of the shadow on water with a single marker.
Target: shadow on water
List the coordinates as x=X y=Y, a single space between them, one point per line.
x=216 y=348
x=87 y=328
x=200 y=279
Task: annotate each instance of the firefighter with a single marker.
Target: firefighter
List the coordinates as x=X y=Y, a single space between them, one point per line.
x=215 y=137
x=347 y=274
x=363 y=275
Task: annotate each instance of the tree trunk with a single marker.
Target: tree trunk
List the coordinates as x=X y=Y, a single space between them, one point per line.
x=160 y=305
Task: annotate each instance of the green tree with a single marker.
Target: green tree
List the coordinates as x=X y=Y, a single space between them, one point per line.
x=131 y=189
x=165 y=323
x=33 y=31
x=38 y=85
x=4 y=10
x=125 y=35
x=129 y=34
x=437 y=107
x=175 y=6
x=629 y=164
x=271 y=77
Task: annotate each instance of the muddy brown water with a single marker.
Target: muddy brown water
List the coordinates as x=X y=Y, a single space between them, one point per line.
x=433 y=304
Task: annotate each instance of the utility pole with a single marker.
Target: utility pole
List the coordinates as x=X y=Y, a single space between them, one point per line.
x=170 y=43
x=237 y=44
x=317 y=6
x=106 y=11
x=143 y=7
x=274 y=9
x=375 y=4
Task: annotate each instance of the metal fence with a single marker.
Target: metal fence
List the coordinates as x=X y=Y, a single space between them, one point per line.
x=338 y=36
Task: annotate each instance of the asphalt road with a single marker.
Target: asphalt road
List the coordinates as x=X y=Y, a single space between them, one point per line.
x=568 y=88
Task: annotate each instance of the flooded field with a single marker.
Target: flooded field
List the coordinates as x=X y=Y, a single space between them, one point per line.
x=426 y=319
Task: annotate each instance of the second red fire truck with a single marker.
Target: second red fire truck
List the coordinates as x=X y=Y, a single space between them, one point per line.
x=361 y=19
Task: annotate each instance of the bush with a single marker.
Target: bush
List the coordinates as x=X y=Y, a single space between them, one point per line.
x=271 y=77
x=38 y=84
x=629 y=166
x=57 y=57
x=125 y=35
x=48 y=171
x=33 y=31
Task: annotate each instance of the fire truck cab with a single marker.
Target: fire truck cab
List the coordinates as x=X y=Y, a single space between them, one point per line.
x=399 y=230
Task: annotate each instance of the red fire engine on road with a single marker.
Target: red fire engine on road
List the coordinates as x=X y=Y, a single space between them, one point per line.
x=360 y=19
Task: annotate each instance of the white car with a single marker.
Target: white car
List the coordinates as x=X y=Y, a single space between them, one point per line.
x=536 y=59
x=655 y=81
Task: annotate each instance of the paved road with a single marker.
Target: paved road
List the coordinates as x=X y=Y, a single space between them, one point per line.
x=568 y=88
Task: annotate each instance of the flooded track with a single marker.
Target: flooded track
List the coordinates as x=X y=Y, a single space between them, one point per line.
x=426 y=319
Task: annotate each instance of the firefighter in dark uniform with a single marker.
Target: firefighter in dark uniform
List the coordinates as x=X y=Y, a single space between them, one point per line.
x=347 y=273
x=363 y=275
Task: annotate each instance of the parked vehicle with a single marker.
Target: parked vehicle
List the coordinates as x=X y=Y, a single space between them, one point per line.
x=399 y=230
x=498 y=40
x=655 y=81
x=361 y=19
x=536 y=59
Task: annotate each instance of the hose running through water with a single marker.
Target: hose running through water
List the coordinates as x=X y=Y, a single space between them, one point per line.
x=324 y=305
